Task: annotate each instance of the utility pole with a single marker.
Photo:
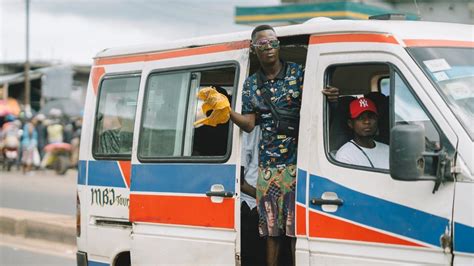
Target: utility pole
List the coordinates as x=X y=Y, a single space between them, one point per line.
x=27 y=61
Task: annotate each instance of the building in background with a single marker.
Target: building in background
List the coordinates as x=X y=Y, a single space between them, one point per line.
x=51 y=84
x=298 y=11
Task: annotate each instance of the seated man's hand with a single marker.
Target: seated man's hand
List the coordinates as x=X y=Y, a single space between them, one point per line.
x=332 y=93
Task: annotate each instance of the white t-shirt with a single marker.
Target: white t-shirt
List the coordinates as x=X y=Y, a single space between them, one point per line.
x=250 y=162
x=351 y=154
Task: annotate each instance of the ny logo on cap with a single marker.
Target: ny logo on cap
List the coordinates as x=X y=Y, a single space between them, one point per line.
x=363 y=103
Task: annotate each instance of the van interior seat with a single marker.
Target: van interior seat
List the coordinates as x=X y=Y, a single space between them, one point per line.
x=339 y=131
x=209 y=140
x=382 y=103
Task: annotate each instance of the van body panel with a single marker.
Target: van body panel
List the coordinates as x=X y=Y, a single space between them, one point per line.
x=176 y=194
x=168 y=199
x=403 y=218
x=157 y=208
x=103 y=185
x=463 y=224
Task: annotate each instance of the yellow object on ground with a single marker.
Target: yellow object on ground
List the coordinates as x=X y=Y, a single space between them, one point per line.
x=218 y=103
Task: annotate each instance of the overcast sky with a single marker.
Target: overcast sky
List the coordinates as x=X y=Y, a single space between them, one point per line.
x=73 y=31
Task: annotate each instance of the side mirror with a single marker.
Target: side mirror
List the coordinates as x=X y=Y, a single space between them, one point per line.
x=407 y=144
x=408 y=158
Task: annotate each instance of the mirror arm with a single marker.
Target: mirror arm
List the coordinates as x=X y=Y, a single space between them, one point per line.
x=443 y=172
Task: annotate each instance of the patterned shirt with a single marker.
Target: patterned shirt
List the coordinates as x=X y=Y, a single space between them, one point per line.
x=286 y=88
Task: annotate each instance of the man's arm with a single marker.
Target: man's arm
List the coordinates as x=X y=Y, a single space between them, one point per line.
x=332 y=93
x=245 y=122
x=248 y=189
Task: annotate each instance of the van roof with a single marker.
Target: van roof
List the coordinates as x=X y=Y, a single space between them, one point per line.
x=401 y=30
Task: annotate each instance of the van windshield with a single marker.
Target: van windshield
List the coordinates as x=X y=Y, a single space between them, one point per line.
x=451 y=70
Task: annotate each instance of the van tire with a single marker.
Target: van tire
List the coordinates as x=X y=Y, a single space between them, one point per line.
x=122 y=259
x=62 y=165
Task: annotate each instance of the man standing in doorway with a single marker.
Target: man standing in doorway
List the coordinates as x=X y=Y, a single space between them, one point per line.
x=277 y=152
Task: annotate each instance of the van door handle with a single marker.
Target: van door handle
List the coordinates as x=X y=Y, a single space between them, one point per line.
x=218 y=193
x=224 y=194
x=320 y=201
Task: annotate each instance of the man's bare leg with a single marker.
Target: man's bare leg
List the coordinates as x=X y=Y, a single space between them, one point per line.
x=293 y=249
x=273 y=250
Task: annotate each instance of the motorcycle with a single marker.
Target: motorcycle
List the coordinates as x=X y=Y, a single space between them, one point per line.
x=10 y=150
x=57 y=157
x=10 y=156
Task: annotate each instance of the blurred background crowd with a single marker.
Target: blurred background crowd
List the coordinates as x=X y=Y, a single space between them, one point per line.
x=45 y=140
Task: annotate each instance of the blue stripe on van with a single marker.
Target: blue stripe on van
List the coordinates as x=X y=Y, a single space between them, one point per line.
x=182 y=178
x=463 y=238
x=382 y=214
x=96 y=263
x=81 y=172
x=301 y=186
x=105 y=173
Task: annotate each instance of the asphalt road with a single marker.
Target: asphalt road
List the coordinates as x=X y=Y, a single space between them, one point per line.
x=39 y=191
x=15 y=256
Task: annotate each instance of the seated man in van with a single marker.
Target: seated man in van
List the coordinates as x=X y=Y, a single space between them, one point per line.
x=119 y=140
x=363 y=150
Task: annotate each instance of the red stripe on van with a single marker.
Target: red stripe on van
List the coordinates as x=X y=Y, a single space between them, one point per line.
x=182 y=210
x=173 y=54
x=438 y=43
x=96 y=74
x=300 y=220
x=326 y=227
x=126 y=168
x=354 y=37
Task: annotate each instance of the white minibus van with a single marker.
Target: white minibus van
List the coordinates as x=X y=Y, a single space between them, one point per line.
x=155 y=190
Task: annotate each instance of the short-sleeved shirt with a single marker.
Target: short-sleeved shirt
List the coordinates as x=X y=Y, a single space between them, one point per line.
x=250 y=162
x=286 y=89
x=351 y=154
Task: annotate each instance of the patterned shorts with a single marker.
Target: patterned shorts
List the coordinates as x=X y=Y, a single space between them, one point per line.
x=276 y=201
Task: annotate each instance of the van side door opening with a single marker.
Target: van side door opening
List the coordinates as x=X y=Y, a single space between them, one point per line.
x=292 y=49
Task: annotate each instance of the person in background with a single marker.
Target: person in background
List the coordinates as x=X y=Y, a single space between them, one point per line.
x=29 y=145
x=55 y=128
x=363 y=150
x=75 y=141
x=10 y=137
x=42 y=133
x=68 y=131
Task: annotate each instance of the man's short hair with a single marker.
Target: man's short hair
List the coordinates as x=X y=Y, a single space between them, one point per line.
x=261 y=28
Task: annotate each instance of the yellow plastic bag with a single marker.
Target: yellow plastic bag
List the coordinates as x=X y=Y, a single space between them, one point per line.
x=218 y=103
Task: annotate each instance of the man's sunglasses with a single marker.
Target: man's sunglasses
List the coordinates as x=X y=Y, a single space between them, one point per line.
x=274 y=44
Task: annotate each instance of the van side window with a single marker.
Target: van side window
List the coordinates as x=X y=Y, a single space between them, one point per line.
x=369 y=80
x=171 y=107
x=115 y=117
x=377 y=82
